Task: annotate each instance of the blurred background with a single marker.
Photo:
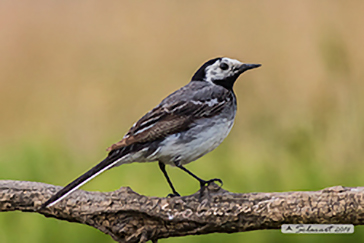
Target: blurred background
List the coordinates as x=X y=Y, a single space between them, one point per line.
x=75 y=75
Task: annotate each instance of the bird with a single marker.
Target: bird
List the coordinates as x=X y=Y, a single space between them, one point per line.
x=187 y=124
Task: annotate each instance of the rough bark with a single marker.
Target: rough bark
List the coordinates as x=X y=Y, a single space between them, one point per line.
x=129 y=217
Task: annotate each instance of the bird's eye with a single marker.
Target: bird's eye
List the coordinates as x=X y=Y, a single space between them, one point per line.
x=224 y=66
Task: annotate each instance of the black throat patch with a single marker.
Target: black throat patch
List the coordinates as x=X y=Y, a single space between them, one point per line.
x=228 y=82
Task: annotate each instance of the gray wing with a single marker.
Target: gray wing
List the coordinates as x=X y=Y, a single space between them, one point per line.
x=176 y=113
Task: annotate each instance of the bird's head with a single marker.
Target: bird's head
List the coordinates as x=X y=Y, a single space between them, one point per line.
x=222 y=71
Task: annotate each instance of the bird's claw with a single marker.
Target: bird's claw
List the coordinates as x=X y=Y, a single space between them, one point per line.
x=206 y=183
x=175 y=194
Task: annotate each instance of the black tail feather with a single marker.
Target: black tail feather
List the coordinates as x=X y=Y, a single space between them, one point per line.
x=106 y=164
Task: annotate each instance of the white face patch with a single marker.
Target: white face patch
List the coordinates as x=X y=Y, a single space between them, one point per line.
x=215 y=72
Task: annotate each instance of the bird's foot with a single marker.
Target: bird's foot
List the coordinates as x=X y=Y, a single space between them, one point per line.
x=174 y=194
x=204 y=184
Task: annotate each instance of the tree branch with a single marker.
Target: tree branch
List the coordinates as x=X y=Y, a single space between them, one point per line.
x=129 y=217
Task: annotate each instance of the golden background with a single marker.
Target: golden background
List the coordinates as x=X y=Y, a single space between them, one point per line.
x=75 y=75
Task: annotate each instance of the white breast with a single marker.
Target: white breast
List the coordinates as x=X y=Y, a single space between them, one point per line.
x=196 y=142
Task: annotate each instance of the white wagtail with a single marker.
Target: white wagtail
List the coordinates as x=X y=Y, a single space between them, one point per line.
x=186 y=125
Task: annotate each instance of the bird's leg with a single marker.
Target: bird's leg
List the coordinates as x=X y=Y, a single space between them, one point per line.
x=203 y=183
x=162 y=166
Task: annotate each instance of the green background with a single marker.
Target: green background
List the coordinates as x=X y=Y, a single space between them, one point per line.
x=75 y=75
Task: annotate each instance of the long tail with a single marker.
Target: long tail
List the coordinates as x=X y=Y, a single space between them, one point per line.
x=106 y=164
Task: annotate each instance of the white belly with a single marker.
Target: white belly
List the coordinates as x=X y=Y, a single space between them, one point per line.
x=195 y=143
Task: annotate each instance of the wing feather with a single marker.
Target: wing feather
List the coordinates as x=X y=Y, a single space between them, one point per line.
x=170 y=118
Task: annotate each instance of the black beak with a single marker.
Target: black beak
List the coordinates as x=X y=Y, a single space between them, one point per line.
x=247 y=66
